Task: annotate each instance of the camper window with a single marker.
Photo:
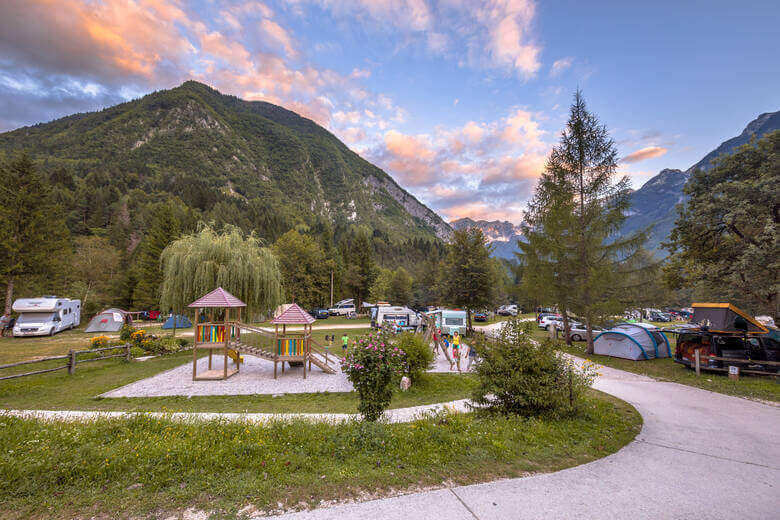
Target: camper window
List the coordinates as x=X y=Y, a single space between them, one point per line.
x=34 y=317
x=453 y=321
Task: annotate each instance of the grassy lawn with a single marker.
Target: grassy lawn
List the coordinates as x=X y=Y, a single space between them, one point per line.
x=59 y=391
x=145 y=467
x=665 y=369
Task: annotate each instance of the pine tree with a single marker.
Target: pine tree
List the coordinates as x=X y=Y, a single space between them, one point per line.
x=361 y=269
x=34 y=239
x=164 y=229
x=469 y=274
x=575 y=218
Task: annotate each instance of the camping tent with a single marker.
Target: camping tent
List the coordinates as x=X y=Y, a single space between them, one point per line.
x=632 y=341
x=724 y=317
x=182 y=322
x=109 y=320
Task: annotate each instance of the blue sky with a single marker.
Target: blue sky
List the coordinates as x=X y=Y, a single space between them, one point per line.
x=459 y=100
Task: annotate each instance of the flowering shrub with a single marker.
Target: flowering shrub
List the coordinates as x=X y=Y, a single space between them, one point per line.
x=519 y=375
x=98 y=342
x=126 y=331
x=373 y=366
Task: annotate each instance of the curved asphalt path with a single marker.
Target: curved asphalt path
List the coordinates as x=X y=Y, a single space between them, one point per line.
x=699 y=455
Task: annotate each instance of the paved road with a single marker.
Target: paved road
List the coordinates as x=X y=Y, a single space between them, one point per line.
x=699 y=455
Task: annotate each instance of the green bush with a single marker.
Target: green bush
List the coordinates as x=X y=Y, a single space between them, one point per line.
x=419 y=356
x=373 y=365
x=519 y=375
x=137 y=352
x=162 y=346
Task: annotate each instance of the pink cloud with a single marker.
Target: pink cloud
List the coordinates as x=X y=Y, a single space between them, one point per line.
x=279 y=36
x=643 y=154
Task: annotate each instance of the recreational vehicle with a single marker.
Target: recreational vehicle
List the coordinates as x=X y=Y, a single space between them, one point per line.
x=343 y=308
x=449 y=321
x=404 y=317
x=47 y=315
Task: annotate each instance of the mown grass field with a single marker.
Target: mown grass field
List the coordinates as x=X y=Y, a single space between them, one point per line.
x=145 y=467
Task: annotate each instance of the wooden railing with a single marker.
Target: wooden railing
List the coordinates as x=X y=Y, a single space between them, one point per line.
x=702 y=361
x=72 y=357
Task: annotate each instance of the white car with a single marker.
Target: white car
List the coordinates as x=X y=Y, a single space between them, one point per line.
x=507 y=310
x=546 y=321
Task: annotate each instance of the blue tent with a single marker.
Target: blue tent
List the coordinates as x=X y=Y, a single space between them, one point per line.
x=182 y=322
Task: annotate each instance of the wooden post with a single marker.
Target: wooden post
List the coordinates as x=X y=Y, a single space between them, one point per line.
x=211 y=351
x=71 y=362
x=733 y=372
x=697 y=358
x=128 y=357
x=194 y=361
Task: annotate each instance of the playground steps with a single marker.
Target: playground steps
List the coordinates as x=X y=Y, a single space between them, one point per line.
x=319 y=360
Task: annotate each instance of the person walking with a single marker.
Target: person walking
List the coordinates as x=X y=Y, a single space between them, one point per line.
x=5 y=320
x=445 y=347
x=436 y=333
x=472 y=358
x=344 y=343
x=455 y=349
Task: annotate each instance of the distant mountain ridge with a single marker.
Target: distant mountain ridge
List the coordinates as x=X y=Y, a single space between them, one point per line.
x=502 y=235
x=654 y=204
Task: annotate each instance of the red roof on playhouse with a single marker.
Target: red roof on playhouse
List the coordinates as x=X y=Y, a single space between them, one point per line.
x=219 y=297
x=294 y=315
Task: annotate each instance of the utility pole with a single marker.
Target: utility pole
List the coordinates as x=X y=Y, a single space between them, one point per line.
x=331 y=287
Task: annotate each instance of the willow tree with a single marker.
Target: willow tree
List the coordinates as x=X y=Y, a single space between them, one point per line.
x=198 y=263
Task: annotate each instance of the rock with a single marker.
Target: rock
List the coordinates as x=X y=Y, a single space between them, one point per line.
x=405 y=383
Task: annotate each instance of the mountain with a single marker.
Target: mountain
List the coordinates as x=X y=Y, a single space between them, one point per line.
x=250 y=163
x=654 y=204
x=502 y=235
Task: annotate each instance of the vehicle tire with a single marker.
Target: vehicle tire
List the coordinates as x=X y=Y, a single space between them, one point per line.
x=547 y=328
x=576 y=337
x=51 y=331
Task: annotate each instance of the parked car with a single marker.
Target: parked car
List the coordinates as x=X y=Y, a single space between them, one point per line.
x=343 y=308
x=579 y=332
x=480 y=316
x=550 y=319
x=507 y=310
x=319 y=313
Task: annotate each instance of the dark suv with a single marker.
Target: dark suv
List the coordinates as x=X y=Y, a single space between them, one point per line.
x=756 y=348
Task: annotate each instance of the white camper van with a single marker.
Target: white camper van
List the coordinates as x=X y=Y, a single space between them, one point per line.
x=46 y=315
x=343 y=308
x=404 y=317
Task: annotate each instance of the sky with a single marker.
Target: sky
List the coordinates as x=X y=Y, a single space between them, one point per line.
x=459 y=100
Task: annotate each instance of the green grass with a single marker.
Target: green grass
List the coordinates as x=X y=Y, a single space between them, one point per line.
x=665 y=369
x=59 y=391
x=149 y=467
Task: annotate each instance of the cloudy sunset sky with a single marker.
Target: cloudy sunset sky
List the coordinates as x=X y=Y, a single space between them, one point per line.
x=459 y=100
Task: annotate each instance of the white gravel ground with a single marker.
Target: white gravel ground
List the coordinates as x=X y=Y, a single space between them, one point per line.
x=255 y=377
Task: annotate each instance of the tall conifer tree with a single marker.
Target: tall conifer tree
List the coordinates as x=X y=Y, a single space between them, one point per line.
x=33 y=236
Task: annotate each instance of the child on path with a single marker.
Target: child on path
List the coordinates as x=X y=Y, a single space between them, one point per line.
x=445 y=346
x=344 y=343
x=455 y=350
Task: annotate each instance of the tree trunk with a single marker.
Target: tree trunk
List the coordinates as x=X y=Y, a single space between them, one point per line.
x=468 y=320
x=589 y=332
x=9 y=294
x=566 y=327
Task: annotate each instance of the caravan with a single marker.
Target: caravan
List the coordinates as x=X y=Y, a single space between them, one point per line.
x=47 y=315
x=449 y=321
x=404 y=317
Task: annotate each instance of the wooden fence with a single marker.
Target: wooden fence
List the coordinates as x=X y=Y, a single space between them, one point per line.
x=700 y=360
x=72 y=357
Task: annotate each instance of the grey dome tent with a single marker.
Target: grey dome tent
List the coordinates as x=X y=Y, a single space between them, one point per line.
x=632 y=341
x=109 y=320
